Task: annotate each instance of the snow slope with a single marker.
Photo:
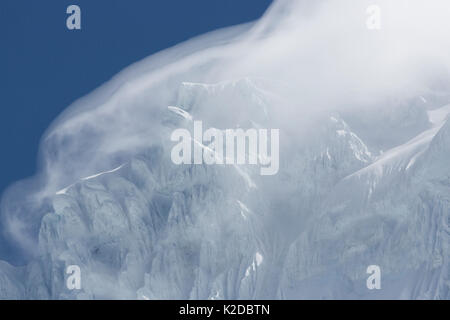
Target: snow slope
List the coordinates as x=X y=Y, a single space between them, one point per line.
x=150 y=229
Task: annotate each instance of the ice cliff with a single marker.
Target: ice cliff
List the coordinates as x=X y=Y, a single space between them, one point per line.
x=150 y=229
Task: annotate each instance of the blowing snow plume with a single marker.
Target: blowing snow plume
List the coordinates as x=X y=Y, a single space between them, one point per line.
x=362 y=179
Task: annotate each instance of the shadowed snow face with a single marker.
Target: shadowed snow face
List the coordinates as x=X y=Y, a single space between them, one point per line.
x=301 y=60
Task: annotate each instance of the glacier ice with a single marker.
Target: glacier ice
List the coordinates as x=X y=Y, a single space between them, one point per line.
x=364 y=176
x=150 y=229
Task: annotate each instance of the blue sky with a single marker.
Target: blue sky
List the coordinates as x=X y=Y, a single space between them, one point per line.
x=44 y=66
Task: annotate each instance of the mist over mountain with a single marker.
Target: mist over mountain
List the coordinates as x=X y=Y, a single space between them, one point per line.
x=363 y=178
